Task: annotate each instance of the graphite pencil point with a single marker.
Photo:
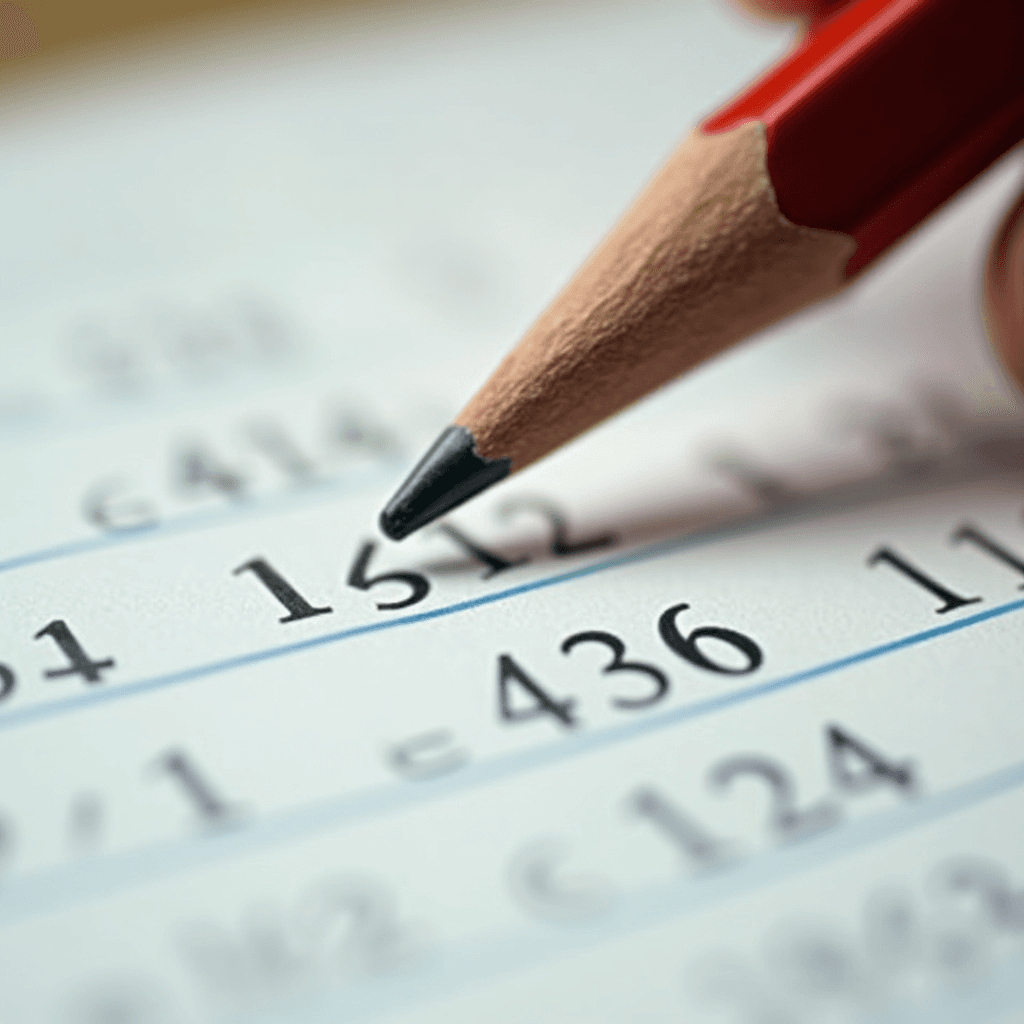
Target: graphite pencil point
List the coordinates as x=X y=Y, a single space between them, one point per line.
x=451 y=472
x=776 y=201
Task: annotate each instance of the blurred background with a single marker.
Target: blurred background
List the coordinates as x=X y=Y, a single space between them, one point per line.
x=350 y=177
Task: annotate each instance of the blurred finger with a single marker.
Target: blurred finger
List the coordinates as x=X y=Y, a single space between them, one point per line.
x=784 y=10
x=1004 y=291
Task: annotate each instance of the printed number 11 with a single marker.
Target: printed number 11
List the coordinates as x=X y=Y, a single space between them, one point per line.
x=950 y=598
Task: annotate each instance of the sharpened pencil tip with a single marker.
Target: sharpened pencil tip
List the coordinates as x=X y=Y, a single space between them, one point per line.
x=451 y=472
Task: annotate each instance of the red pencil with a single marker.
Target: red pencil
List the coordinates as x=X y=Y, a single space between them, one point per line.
x=885 y=110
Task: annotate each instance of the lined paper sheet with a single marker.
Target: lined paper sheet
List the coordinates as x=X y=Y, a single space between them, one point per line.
x=727 y=733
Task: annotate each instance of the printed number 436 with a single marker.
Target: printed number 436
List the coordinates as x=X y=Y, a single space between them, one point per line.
x=534 y=701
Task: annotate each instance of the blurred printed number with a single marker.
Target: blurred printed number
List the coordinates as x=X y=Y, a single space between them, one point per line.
x=355 y=434
x=8 y=681
x=845 y=751
x=682 y=831
x=126 y=1001
x=785 y=818
x=561 y=545
x=106 y=510
x=974 y=879
x=195 y=786
x=491 y=560
x=538 y=884
x=427 y=755
x=276 y=444
x=354 y=923
x=340 y=924
x=199 y=470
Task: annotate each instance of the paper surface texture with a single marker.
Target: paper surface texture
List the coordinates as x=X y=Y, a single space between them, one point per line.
x=724 y=731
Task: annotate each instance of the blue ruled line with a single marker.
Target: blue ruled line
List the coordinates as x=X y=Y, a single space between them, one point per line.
x=315 y=492
x=95 y=698
x=833 y=498
x=815 y=505
x=51 y=889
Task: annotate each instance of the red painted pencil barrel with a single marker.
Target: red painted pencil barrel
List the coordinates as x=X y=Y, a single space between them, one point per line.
x=887 y=109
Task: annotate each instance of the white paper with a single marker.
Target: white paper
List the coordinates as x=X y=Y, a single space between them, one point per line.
x=245 y=281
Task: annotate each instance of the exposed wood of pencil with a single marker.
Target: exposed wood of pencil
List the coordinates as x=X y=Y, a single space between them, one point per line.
x=702 y=259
